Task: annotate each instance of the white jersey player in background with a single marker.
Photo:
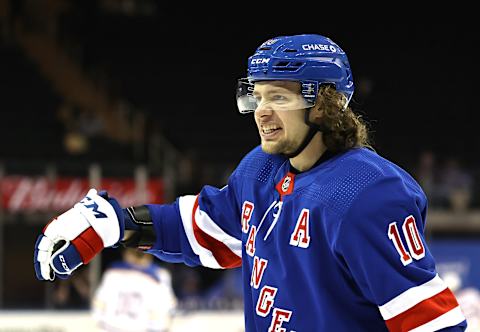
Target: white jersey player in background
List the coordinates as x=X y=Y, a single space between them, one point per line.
x=127 y=298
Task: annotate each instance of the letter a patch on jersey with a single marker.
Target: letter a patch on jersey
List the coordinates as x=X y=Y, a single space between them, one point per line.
x=301 y=234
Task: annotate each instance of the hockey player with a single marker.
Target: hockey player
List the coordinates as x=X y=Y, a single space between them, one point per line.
x=127 y=297
x=329 y=234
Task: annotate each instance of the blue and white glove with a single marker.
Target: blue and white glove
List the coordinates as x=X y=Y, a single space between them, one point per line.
x=76 y=236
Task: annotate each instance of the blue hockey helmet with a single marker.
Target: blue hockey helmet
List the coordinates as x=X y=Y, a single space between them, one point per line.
x=310 y=59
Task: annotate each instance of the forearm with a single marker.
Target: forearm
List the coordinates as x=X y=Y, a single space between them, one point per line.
x=201 y=229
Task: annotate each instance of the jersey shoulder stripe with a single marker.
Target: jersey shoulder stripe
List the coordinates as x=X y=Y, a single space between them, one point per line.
x=215 y=248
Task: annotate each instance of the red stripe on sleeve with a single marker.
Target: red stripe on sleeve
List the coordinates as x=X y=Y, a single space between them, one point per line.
x=224 y=256
x=423 y=312
x=88 y=244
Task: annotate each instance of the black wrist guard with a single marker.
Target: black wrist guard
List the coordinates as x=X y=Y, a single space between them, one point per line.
x=139 y=230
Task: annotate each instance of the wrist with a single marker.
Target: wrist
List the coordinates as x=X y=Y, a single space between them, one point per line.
x=139 y=231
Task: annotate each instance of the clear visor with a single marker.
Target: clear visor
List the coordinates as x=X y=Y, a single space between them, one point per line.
x=276 y=97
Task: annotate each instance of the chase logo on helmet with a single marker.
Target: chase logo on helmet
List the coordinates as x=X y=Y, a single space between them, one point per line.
x=260 y=61
x=319 y=47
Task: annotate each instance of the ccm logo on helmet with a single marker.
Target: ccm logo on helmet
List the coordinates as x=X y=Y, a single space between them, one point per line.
x=260 y=61
x=318 y=47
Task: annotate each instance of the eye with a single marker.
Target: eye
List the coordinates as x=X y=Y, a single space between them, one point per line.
x=279 y=98
x=257 y=98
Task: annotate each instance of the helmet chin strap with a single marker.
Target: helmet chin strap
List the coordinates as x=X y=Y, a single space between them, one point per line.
x=314 y=128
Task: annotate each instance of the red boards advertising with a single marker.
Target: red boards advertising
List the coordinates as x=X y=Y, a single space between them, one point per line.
x=25 y=194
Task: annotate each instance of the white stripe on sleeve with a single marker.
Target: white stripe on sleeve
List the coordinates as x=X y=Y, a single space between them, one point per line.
x=411 y=297
x=186 y=204
x=209 y=226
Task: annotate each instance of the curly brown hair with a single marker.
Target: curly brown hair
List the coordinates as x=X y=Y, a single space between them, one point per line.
x=342 y=129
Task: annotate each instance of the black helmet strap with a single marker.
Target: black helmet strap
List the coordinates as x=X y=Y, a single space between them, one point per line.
x=314 y=128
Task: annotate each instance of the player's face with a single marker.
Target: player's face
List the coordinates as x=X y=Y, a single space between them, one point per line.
x=280 y=116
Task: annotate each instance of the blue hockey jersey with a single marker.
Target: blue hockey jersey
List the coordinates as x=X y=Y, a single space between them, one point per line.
x=339 y=247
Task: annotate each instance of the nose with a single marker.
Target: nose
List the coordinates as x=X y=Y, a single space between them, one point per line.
x=263 y=109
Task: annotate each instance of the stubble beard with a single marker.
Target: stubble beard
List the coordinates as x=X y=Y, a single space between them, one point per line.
x=282 y=146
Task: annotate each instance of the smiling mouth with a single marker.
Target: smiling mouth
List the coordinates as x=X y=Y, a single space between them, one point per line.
x=269 y=130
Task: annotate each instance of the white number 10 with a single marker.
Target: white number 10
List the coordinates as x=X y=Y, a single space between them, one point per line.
x=416 y=249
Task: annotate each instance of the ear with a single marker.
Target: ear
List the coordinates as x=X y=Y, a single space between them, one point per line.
x=314 y=115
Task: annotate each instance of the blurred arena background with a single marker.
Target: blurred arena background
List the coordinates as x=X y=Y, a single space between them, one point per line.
x=138 y=97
